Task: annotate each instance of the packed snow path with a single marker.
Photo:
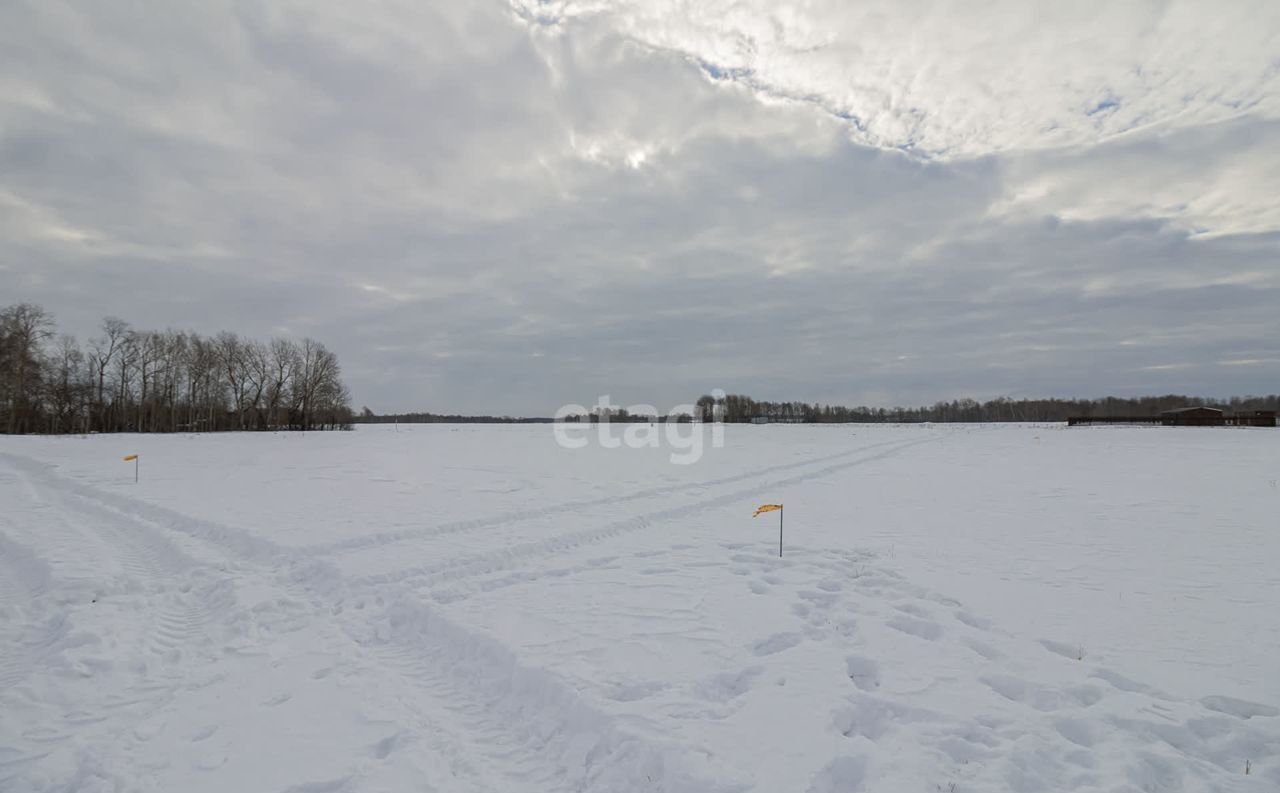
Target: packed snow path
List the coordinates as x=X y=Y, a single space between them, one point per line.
x=641 y=636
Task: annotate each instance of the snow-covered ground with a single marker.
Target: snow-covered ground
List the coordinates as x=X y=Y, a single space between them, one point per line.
x=474 y=608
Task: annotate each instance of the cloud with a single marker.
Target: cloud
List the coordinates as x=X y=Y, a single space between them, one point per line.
x=485 y=207
x=1045 y=85
x=1207 y=181
x=951 y=80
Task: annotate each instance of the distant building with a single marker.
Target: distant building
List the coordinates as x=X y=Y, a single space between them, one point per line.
x=1254 y=418
x=1193 y=417
x=1188 y=417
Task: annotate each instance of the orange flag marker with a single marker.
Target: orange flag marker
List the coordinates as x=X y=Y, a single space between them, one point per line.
x=763 y=508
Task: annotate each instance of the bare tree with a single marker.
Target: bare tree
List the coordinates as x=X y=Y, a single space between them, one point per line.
x=257 y=368
x=161 y=381
x=231 y=361
x=23 y=328
x=68 y=387
x=320 y=396
x=102 y=350
x=126 y=353
x=284 y=370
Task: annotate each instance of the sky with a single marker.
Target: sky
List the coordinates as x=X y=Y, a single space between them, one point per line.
x=504 y=207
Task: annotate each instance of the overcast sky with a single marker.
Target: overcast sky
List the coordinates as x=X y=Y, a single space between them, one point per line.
x=504 y=207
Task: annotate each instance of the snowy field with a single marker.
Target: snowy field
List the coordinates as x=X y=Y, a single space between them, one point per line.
x=475 y=609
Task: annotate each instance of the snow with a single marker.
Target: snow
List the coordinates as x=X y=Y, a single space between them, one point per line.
x=475 y=608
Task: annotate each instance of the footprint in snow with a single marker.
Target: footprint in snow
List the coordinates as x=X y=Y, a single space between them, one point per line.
x=632 y=692
x=325 y=786
x=914 y=609
x=1079 y=732
x=864 y=672
x=925 y=629
x=727 y=686
x=871 y=717
x=212 y=761
x=149 y=729
x=841 y=775
x=386 y=746
x=1073 y=651
x=973 y=621
x=1042 y=698
x=1084 y=695
x=979 y=736
x=983 y=649
x=817 y=598
x=776 y=643
x=1123 y=683
x=1241 y=709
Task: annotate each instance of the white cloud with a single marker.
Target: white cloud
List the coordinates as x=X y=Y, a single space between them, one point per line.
x=1045 y=84
x=1207 y=181
x=960 y=80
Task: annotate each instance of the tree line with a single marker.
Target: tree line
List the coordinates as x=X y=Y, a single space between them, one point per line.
x=367 y=416
x=128 y=380
x=740 y=409
x=736 y=408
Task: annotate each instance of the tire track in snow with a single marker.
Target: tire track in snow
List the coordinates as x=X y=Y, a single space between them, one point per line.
x=500 y=725
x=199 y=536
x=460 y=568
x=510 y=753
x=71 y=556
x=109 y=579
x=180 y=606
x=37 y=628
x=24 y=578
x=527 y=725
x=26 y=654
x=462 y=526
x=183 y=602
x=495 y=740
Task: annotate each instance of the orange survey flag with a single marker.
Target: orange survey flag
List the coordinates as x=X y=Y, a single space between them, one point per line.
x=130 y=457
x=766 y=508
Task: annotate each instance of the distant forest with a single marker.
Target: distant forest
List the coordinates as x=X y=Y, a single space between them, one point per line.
x=739 y=409
x=128 y=380
x=367 y=416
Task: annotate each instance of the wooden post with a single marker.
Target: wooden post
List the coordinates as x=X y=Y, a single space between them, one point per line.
x=780 y=510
